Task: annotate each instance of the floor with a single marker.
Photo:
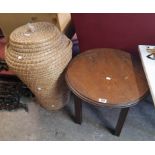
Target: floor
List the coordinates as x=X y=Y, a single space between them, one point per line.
x=40 y=124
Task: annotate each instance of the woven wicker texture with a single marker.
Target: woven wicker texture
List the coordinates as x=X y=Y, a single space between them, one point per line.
x=38 y=53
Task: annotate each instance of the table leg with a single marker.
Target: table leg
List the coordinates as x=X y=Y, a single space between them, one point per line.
x=121 y=120
x=78 y=109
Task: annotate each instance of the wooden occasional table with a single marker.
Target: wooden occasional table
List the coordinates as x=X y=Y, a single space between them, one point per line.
x=106 y=78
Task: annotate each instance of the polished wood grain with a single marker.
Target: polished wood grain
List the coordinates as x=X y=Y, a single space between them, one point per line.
x=107 y=77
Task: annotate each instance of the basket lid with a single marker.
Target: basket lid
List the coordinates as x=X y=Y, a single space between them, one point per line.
x=35 y=33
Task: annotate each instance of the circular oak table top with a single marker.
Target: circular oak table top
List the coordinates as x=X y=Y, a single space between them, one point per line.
x=107 y=77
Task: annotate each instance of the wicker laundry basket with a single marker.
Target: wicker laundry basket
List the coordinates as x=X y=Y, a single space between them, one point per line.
x=38 y=53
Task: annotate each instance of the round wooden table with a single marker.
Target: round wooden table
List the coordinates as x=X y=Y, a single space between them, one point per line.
x=106 y=78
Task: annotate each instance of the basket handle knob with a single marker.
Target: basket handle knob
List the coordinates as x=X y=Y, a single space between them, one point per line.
x=30 y=29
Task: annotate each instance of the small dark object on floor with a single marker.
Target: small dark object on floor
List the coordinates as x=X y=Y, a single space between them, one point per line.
x=10 y=94
x=11 y=104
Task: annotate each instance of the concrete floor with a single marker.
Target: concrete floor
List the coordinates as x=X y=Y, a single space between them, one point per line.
x=39 y=124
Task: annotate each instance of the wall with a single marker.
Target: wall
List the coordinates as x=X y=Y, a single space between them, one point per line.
x=123 y=31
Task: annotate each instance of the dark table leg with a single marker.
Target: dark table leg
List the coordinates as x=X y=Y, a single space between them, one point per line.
x=121 y=120
x=78 y=109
